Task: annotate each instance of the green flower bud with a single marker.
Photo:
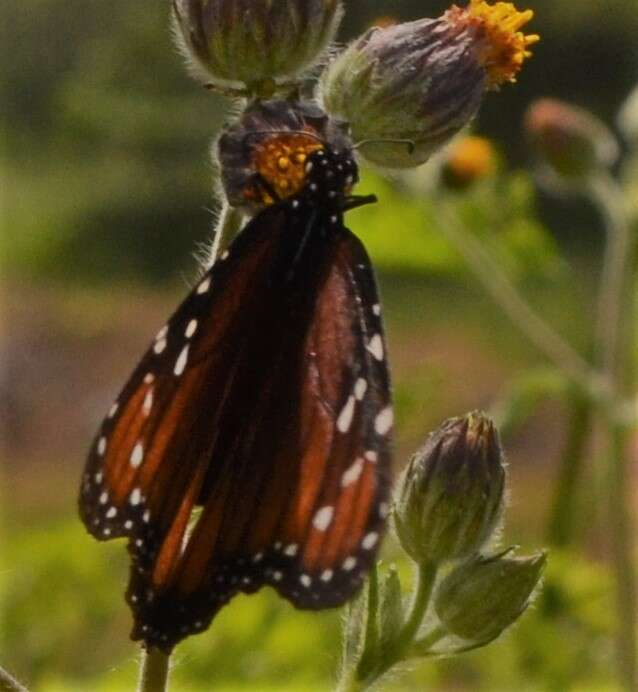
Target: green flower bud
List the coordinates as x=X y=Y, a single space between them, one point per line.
x=451 y=495
x=483 y=597
x=421 y=82
x=254 y=43
x=570 y=142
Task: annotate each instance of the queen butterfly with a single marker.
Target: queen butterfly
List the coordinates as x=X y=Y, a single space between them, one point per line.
x=264 y=405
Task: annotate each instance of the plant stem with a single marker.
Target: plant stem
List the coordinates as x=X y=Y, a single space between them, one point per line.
x=560 y=527
x=615 y=341
x=153 y=671
x=9 y=684
x=507 y=296
x=400 y=648
x=228 y=225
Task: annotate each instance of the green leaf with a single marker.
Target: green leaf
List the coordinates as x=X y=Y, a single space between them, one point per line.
x=390 y=608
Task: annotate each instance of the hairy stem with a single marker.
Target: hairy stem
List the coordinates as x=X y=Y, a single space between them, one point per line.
x=616 y=343
x=507 y=296
x=560 y=527
x=399 y=649
x=9 y=684
x=154 y=671
x=228 y=225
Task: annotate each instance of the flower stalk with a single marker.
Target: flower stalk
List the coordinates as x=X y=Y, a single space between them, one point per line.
x=9 y=684
x=615 y=347
x=154 y=671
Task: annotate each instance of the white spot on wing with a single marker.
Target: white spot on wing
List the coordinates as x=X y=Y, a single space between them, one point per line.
x=191 y=328
x=376 y=309
x=305 y=580
x=204 y=285
x=137 y=455
x=135 y=497
x=371 y=456
x=277 y=576
x=349 y=563
x=323 y=517
x=345 y=417
x=384 y=420
x=111 y=513
x=291 y=550
x=370 y=540
x=101 y=445
x=104 y=498
x=384 y=510
x=148 y=402
x=159 y=346
x=376 y=346
x=113 y=409
x=360 y=387
x=149 y=378
x=351 y=475
x=181 y=361
x=326 y=575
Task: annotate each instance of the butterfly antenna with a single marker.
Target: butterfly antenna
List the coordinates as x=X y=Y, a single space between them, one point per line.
x=410 y=143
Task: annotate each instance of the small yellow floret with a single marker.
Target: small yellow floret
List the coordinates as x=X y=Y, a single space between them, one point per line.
x=503 y=47
x=506 y=47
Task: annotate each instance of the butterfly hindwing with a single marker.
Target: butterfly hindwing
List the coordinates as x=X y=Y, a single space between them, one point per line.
x=265 y=402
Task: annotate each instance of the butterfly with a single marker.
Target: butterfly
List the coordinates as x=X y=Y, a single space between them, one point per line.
x=251 y=445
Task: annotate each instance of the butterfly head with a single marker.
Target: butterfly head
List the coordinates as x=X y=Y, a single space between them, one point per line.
x=281 y=150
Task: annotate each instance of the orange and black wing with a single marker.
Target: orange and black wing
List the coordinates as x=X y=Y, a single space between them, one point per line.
x=265 y=400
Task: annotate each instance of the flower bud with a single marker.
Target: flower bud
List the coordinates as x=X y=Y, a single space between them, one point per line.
x=263 y=156
x=628 y=117
x=451 y=494
x=483 y=597
x=467 y=160
x=254 y=43
x=421 y=82
x=569 y=141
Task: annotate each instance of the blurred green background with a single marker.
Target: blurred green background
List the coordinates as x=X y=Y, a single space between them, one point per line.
x=107 y=188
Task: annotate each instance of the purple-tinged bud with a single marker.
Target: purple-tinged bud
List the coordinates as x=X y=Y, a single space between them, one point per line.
x=484 y=596
x=262 y=157
x=570 y=142
x=407 y=89
x=254 y=44
x=451 y=494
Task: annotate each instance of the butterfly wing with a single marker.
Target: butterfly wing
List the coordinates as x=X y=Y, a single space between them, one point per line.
x=276 y=421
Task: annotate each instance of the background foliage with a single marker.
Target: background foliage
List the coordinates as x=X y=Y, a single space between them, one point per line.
x=107 y=184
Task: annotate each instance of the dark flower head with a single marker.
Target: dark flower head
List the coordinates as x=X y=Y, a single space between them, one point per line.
x=263 y=156
x=421 y=82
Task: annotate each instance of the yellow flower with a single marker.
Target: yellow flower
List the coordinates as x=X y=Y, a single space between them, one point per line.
x=469 y=159
x=503 y=47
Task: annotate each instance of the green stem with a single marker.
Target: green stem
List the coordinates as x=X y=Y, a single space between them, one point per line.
x=422 y=647
x=400 y=648
x=228 y=225
x=154 y=671
x=616 y=342
x=520 y=312
x=560 y=528
x=9 y=684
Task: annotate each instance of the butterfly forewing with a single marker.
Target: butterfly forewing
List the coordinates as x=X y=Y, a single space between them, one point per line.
x=271 y=410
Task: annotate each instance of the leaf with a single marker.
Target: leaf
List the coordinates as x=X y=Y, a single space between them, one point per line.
x=390 y=608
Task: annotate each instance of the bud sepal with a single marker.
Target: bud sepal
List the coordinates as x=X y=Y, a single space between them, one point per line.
x=482 y=597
